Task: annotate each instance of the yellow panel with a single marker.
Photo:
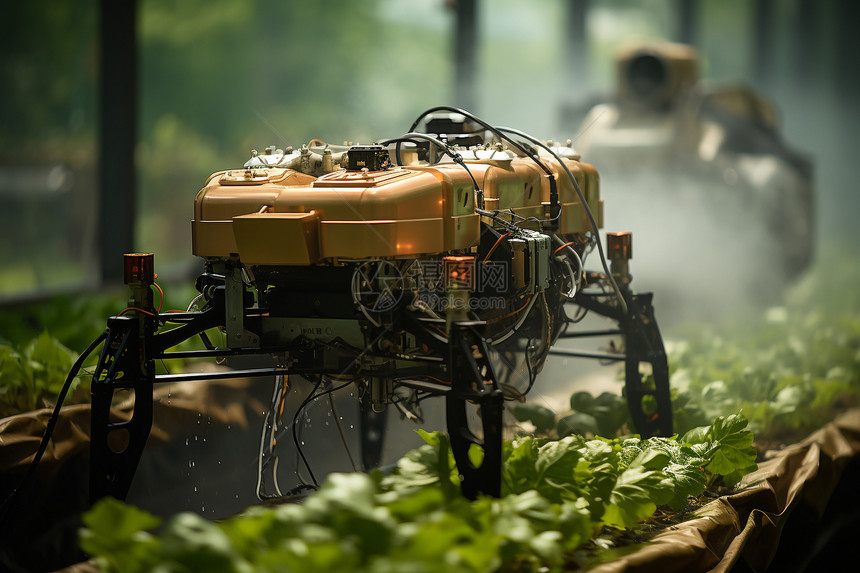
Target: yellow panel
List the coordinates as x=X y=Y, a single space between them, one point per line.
x=212 y=239
x=277 y=238
x=381 y=238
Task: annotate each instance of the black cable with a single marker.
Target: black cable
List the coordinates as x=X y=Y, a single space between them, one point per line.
x=301 y=407
x=458 y=159
x=52 y=421
x=448 y=150
x=578 y=317
x=555 y=205
x=334 y=389
x=581 y=195
x=486 y=126
x=310 y=398
x=410 y=138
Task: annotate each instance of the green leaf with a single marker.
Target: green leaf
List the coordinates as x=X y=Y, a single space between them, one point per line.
x=697 y=435
x=114 y=534
x=632 y=496
x=684 y=481
x=198 y=545
x=578 y=423
x=555 y=468
x=518 y=469
x=581 y=401
x=541 y=417
x=733 y=449
x=428 y=464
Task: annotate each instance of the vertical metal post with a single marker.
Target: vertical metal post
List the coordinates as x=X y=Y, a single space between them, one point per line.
x=465 y=54
x=688 y=13
x=117 y=135
x=806 y=47
x=847 y=49
x=575 y=46
x=762 y=42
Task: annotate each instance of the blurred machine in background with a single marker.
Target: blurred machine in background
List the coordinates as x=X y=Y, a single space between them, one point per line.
x=704 y=169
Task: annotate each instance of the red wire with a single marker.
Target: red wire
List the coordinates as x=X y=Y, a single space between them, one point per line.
x=564 y=245
x=161 y=292
x=496 y=245
x=519 y=310
x=137 y=309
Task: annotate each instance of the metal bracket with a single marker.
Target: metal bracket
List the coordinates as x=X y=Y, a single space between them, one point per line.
x=237 y=336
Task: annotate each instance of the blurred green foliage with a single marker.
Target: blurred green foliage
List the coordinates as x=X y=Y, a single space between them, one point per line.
x=32 y=375
x=40 y=341
x=221 y=78
x=217 y=79
x=790 y=369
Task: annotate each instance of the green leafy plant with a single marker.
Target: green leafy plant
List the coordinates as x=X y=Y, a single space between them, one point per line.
x=32 y=376
x=557 y=495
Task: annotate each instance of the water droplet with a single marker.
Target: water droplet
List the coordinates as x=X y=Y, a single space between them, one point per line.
x=193 y=464
x=228 y=426
x=341 y=417
x=303 y=442
x=195 y=438
x=351 y=426
x=204 y=440
x=186 y=441
x=189 y=463
x=195 y=488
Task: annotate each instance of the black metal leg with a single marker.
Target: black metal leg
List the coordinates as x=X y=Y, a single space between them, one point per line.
x=372 y=431
x=645 y=345
x=473 y=379
x=116 y=447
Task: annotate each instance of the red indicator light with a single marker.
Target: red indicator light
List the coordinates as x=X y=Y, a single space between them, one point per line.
x=138 y=268
x=460 y=271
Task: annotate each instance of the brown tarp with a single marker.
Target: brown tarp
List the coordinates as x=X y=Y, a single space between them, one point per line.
x=40 y=531
x=748 y=524
x=224 y=401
